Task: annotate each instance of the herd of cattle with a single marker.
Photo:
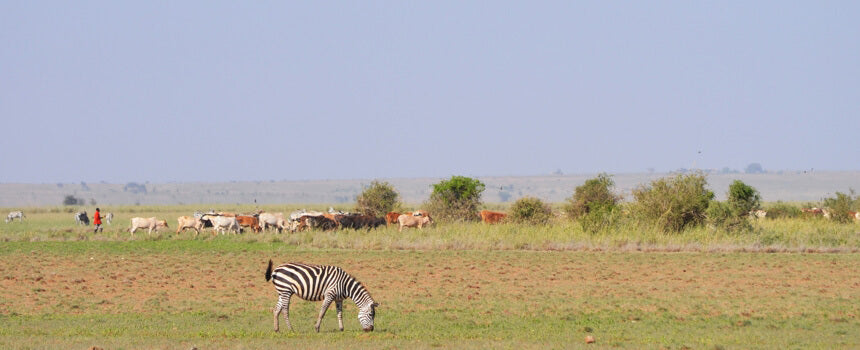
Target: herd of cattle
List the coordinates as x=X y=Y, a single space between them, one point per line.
x=301 y=220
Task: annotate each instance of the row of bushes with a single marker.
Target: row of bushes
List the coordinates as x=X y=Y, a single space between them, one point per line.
x=670 y=204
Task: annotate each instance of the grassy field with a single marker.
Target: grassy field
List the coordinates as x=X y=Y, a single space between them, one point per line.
x=450 y=286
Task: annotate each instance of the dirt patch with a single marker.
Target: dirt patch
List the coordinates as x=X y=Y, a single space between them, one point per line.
x=412 y=281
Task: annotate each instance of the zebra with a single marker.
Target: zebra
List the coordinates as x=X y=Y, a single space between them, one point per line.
x=315 y=283
x=15 y=215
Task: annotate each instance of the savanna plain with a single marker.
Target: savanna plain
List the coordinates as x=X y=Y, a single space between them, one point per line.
x=788 y=283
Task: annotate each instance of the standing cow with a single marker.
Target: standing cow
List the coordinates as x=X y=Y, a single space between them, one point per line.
x=492 y=217
x=413 y=221
x=15 y=215
x=186 y=222
x=222 y=223
x=81 y=218
x=272 y=219
x=147 y=223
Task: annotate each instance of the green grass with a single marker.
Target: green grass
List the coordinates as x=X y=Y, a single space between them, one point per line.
x=464 y=285
x=780 y=235
x=436 y=299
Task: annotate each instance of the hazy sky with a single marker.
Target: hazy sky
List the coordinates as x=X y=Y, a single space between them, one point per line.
x=217 y=91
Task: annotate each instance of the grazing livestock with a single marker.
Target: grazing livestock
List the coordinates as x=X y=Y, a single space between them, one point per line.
x=15 y=215
x=272 y=219
x=249 y=221
x=359 y=221
x=222 y=223
x=413 y=221
x=186 y=222
x=492 y=217
x=147 y=223
x=81 y=218
x=316 y=222
x=391 y=218
x=812 y=212
x=109 y=218
x=420 y=213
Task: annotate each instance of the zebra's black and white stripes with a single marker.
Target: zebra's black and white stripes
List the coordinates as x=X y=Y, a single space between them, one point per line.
x=315 y=283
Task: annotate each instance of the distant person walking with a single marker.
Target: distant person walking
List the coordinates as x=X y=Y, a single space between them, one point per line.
x=97 y=221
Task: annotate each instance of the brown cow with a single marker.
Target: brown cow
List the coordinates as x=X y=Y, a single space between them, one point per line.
x=413 y=221
x=492 y=217
x=249 y=221
x=391 y=218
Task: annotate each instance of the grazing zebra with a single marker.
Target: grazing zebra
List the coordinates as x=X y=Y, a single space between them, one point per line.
x=15 y=215
x=315 y=283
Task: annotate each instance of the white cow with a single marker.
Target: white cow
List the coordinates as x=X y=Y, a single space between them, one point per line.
x=109 y=218
x=15 y=215
x=272 y=219
x=147 y=223
x=222 y=223
x=186 y=222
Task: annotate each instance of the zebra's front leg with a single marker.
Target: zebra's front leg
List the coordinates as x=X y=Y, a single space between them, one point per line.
x=339 y=305
x=325 y=304
x=283 y=304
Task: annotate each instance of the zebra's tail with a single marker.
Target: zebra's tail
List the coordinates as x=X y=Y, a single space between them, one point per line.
x=269 y=271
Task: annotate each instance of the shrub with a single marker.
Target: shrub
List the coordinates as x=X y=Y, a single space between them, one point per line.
x=673 y=204
x=782 y=210
x=530 y=210
x=841 y=205
x=72 y=200
x=724 y=216
x=456 y=199
x=742 y=199
x=377 y=199
x=733 y=214
x=595 y=195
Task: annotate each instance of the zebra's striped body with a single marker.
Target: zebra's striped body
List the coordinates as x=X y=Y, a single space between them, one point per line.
x=314 y=283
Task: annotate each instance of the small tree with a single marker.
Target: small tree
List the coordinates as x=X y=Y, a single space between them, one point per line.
x=743 y=198
x=673 y=204
x=72 y=200
x=377 y=199
x=456 y=199
x=595 y=194
x=841 y=205
x=733 y=214
x=530 y=210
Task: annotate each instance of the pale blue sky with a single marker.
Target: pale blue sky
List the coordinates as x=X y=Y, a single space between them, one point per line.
x=217 y=91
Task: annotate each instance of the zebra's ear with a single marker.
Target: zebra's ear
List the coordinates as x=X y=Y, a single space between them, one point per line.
x=374 y=305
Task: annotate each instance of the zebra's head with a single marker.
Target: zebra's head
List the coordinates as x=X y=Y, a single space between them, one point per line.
x=366 y=315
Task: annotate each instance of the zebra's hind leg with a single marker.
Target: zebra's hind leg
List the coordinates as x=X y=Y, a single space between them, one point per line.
x=339 y=305
x=283 y=305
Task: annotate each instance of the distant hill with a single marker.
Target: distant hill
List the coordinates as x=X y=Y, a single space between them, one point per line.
x=786 y=186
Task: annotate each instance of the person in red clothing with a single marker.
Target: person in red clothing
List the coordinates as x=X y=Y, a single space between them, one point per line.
x=97 y=221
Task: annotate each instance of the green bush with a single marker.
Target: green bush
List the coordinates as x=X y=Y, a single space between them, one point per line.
x=378 y=199
x=530 y=210
x=733 y=214
x=595 y=194
x=456 y=199
x=780 y=210
x=841 y=205
x=742 y=199
x=672 y=204
x=723 y=215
